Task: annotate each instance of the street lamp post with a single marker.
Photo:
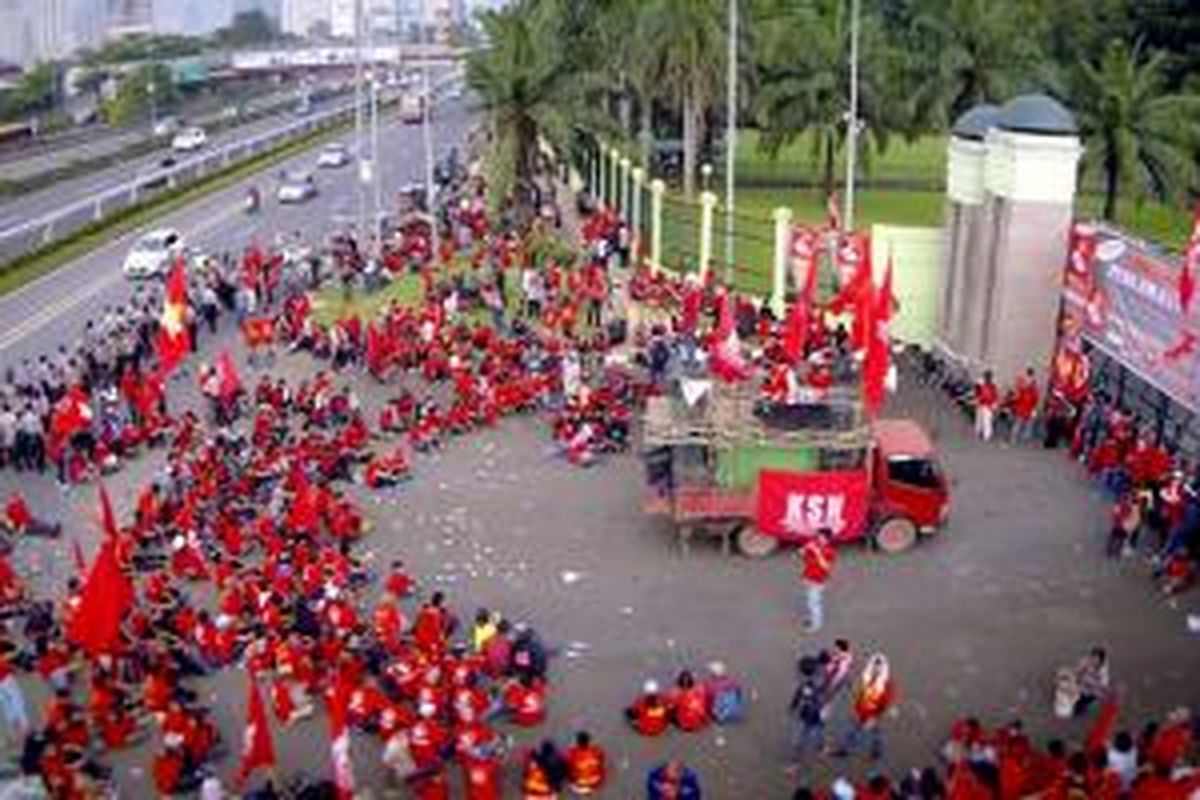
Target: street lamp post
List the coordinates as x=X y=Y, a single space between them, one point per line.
x=852 y=125
x=731 y=120
x=427 y=136
x=359 y=149
x=706 y=171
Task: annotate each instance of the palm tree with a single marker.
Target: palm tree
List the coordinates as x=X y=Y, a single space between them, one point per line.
x=1137 y=136
x=688 y=47
x=806 y=88
x=967 y=52
x=527 y=79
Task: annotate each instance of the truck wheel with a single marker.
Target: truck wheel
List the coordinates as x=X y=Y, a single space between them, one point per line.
x=753 y=544
x=895 y=534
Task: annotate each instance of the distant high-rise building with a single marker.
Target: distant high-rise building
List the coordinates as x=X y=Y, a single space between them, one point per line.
x=299 y=17
x=192 y=17
x=127 y=17
x=343 y=18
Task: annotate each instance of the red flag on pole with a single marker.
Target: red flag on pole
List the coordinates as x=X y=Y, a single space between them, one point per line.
x=173 y=340
x=725 y=353
x=106 y=598
x=339 y=742
x=229 y=383
x=795 y=335
x=258 y=750
x=108 y=520
x=876 y=364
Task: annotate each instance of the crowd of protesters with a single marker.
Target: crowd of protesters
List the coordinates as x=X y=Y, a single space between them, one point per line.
x=1154 y=489
x=250 y=508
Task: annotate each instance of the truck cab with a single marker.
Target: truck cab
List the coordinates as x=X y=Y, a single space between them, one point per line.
x=910 y=494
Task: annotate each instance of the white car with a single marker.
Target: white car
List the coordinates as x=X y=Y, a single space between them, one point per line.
x=333 y=156
x=166 y=126
x=296 y=187
x=189 y=139
x=152 y=255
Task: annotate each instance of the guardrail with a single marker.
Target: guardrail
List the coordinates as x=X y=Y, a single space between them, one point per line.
x=47 y=228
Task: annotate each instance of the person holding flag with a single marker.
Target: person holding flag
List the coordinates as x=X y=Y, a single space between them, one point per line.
x=174 y=343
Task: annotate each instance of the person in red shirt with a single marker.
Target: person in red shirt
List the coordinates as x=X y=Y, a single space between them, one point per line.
x=819 y=558
x=525 y=701
x=431 y=626
x=690 y=702
x=987 y=398
x=482 y=778
x=1024 y=407
x=586 y=770
x=21 y=521
x=650 y=714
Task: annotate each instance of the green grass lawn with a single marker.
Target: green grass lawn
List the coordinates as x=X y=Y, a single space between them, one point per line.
x=921 y=162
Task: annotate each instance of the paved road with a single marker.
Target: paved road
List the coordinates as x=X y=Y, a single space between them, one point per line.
x=36 y=204
x=48 y=311
x=19 y=163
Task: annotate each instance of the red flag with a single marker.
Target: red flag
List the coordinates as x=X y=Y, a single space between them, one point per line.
x=229 y=383
x=854 y=270
x=72 y=414
x=105 y=601
x=173 y=340
x=876 y=364
x=108 y=520
x=863 y=297
x=339 y=742
x=795 y=334
x=1102 y=728
x=258 y=750
x=80 y=561
x=725 y=353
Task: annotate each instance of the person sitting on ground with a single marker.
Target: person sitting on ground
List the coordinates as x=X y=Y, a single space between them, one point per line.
x=19 y=520
x=650 y=714
x=1126 y=520
x=545 y=772
x=586 y=771
x=726 y=697
x=672 y=781
x=690 y=703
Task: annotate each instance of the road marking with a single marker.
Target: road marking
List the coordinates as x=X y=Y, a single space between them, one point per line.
x=49 y=313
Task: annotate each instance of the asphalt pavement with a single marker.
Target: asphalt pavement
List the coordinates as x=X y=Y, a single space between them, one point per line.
x=33 y=205
x=50 y=310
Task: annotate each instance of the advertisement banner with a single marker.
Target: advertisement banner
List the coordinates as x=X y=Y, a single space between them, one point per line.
x=795 y=505
x=1124 y=298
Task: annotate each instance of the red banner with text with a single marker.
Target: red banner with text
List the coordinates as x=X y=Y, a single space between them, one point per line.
x=795 y=505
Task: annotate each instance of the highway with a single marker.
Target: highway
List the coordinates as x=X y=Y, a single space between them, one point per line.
x=20 y=209
x=51 y=310
x=22 y=162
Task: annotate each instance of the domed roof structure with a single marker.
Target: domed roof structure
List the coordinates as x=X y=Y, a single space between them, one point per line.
x=975 y=122
x=1037 y=113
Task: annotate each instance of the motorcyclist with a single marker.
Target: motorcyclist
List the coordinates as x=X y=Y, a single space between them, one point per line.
x=253 y=199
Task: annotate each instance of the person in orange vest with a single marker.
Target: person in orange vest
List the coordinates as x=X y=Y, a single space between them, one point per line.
x=690 y=703
x=585 y=765
x=819 y=557
x=875 y=694
x=482 y=778
x=545 y=773
x=650 y=714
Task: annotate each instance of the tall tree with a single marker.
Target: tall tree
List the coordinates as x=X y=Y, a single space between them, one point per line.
x=973 y=51
x=805 y=88
x=1139 y=138
x=526 y=79
x=690 y=39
